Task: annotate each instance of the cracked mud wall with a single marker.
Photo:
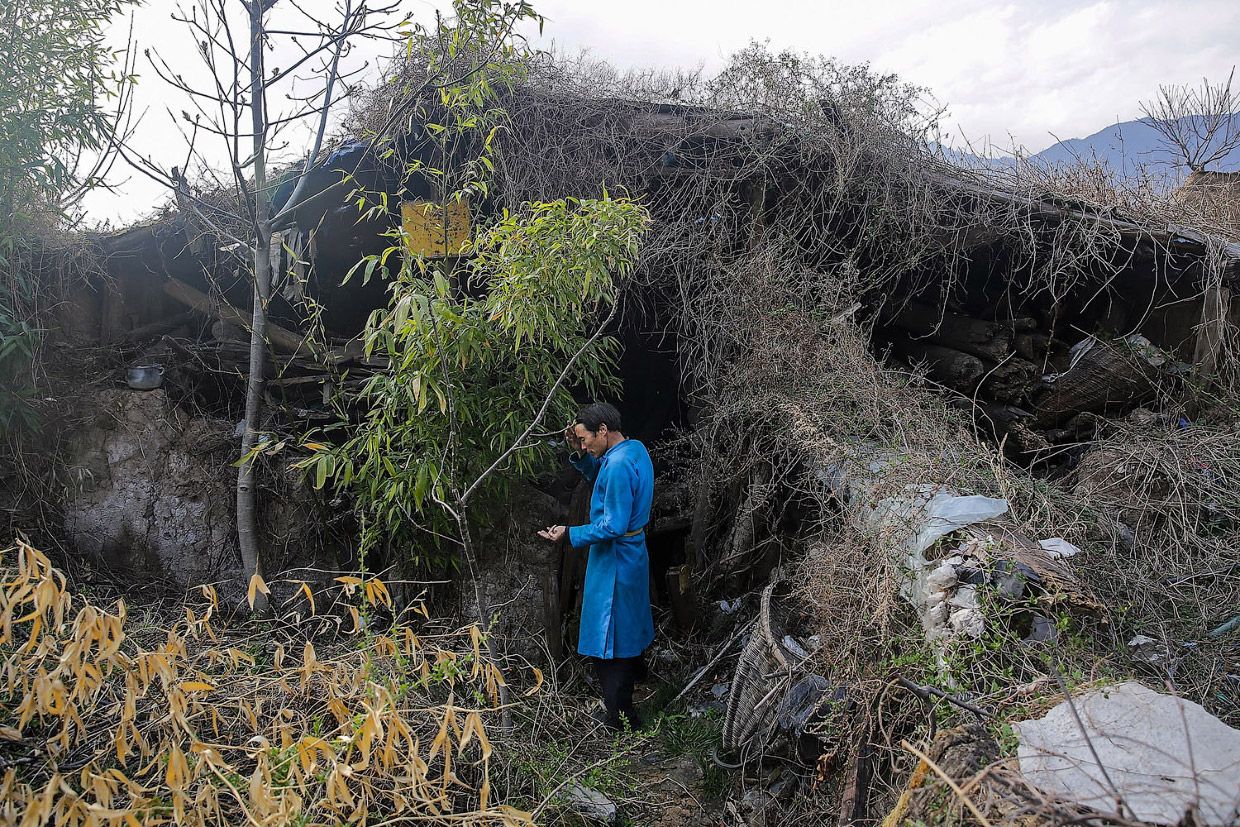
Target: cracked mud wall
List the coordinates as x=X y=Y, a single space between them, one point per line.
x=151 y=492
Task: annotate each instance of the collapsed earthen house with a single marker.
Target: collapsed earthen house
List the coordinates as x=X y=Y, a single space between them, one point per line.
x=817 y=294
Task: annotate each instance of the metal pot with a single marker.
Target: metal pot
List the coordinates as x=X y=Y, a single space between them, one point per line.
x=145 y=377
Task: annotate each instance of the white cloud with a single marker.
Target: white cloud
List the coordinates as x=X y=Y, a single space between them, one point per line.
x=1034 y=70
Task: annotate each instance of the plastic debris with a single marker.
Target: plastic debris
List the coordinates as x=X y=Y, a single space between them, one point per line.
x=916 y=521
x=790 y=643
x=1163 y=756
x=800 y=702
x=967 y=622
x=1058 y=548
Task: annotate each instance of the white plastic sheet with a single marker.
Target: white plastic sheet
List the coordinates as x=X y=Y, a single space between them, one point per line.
x=1163 y=756
x=910 y=525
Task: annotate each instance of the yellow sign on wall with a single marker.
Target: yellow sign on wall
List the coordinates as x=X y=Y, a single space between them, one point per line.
x=435 y=230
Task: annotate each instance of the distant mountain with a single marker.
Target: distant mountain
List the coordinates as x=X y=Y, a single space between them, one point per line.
x=1121 y=147
x=1127 y=144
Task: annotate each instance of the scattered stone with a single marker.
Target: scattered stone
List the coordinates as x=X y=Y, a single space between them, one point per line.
x=1148 y=650
x=1042 y=630
x=720 y=689
x=666 y=655
x=590 y=804
x=1163 y=755
x=961 y=752
x=685 y=772
x=758 y=808
x=1010 y=578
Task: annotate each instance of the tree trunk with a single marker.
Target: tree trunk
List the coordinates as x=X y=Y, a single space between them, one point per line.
x=247 y=507
x=484 y=611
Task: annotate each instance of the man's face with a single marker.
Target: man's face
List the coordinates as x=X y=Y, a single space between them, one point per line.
x=595 y=444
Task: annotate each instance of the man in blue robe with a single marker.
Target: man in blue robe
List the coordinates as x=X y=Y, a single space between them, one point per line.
x=616 y=622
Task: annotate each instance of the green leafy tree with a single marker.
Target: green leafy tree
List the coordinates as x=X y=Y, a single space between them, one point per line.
x=476 y=372
x=482 y=345
x=58 y=93
x=234 y=38
x=62 y=97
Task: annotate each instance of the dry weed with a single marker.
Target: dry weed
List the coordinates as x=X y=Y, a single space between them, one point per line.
x=215 y=727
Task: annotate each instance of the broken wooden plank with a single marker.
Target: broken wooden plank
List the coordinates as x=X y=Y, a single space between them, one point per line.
x=280 y=338
x=680 y=594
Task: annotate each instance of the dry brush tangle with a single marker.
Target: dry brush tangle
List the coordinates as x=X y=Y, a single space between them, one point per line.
x=109 y=720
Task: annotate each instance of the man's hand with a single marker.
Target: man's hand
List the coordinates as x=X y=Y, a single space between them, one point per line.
x=570 y=437
x=553 y=533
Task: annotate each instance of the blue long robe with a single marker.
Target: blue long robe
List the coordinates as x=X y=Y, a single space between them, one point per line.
x=615 y=608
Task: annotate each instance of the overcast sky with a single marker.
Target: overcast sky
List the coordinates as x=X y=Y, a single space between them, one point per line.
x=1028 y=72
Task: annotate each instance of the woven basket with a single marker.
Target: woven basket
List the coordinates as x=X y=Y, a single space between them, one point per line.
x=764 y=668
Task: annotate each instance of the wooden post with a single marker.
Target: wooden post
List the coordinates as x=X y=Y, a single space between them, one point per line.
x=552 y=616
x=1215 y=306
x=680 y=594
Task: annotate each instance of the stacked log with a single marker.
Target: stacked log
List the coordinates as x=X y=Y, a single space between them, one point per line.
x=997 y=359
x=1021 y=382
x=977 y=337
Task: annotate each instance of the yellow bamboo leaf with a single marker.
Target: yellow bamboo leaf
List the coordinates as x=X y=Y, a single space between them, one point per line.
x=337 y=789
x=8 y=733
x=305 y=589
x=538 y=682
x=257 y=584
x=441 y=740
x=475 y=636
x=474 y=729
x=122 y=744
x=314 y=446
x=178 y=770
x=376 y=592
x=56 y=699
x=238 y=656
x=258 y=790
x=195 y=686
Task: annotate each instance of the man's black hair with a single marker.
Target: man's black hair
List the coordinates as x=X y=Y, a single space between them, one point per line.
x=597 y=414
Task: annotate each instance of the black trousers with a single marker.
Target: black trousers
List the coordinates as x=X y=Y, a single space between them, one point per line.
x=617 y=676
